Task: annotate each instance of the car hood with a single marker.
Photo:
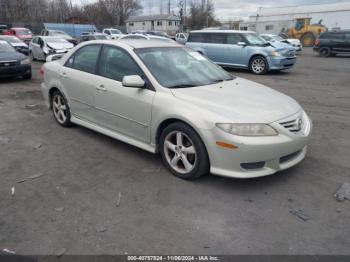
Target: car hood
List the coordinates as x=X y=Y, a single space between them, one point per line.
x=240 y=101
x=59 y=46
x=8 y=56
x=19 y=45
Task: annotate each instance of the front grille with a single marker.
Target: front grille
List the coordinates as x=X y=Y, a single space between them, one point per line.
x=294 y=126
x=4 y=64
x=289 y=53
x=289 y=157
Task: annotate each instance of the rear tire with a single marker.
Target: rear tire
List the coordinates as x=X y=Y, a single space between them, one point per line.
x=27 y=76
x=325 y=52
x=258 y=65
x=60 y=109
x=183 y=151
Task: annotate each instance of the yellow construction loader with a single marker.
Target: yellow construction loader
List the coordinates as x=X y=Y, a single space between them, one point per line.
x=305 y=32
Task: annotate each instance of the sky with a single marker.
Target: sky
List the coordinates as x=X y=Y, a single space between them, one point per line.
x=226 y=9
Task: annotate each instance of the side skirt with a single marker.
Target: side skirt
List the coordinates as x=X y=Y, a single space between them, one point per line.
x=113 y=134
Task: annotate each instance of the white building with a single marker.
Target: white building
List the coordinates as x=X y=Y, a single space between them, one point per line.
x=166 y=23
x=273 y=20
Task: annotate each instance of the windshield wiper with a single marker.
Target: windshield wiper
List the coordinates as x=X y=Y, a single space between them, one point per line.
x=182 y=86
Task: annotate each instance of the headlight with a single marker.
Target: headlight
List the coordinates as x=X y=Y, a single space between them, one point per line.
x=248 y=129
x=25 y=61
x=274 y=53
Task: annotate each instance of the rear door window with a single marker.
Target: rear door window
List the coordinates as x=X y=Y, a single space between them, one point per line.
x=198 y=38
x=216 y=38
x=85 y=59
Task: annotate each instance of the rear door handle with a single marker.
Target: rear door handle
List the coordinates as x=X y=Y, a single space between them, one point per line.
x=101 y=88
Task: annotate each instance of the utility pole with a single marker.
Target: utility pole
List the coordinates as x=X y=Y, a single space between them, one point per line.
x=161 y=6
x=169 y=7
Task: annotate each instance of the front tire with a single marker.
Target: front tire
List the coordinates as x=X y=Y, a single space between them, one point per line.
x=60 y=109
x=325 y=52
x=183 y=152
x=258 y=65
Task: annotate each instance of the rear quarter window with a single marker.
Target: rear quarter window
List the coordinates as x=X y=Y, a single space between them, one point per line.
x=198 y=38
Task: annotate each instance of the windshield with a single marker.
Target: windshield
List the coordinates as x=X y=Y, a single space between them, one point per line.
x=115 y=32
x=255 y=39
x=23 y=32
x=278 y=38
x=5 y=47
x=176 y=67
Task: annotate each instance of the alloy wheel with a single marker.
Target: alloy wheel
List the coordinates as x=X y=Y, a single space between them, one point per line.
x=180 y=152
x=59 y=109
x=258 y=65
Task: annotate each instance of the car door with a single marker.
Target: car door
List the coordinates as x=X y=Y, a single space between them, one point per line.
x=39 y=52
x=78 y=77
x=122 y=109
x=235 y=51
x=215 y=47
x=338 y=42
x=34 y=46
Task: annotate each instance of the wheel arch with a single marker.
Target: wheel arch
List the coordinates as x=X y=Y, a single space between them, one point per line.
x=52 y=91
x=166 y=122
x=260 y=55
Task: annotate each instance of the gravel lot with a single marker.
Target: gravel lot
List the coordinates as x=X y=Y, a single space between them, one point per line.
x=80 y=175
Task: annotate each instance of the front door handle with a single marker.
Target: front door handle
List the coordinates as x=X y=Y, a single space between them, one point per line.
x=101 y=88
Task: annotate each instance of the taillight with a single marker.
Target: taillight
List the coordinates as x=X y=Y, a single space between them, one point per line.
x=42 y=71
x=317 y=42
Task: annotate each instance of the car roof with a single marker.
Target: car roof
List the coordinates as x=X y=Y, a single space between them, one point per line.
x=136 y=43
x=222 y=31
x=3 y=42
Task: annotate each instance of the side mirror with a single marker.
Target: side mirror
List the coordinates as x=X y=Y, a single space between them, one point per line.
x=134 y=81
x=52 y=58
x=242 y=43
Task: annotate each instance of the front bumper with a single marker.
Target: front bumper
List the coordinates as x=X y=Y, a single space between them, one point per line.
x=257 y=156
x=281 y=63
x=14 y=71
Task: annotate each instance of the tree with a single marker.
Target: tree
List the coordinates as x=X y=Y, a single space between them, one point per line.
x=202 y=15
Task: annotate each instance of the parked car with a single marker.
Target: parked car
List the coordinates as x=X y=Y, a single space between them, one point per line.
x=22 y=33
x=94 y=36
x=12 y=63
x=112 y=33
x=241 y=49
x=181 y=38
x=332 y=43
x=158 y=33
x=163 y=97
x=59 y=34
x=277 y=39
x=16 y=43
x=42 y=46
x=146 y=37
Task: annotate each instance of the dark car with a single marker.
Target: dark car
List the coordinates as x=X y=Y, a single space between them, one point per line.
x=12 y=63
x=16 y=43
x=333 y=42
x=94 y=36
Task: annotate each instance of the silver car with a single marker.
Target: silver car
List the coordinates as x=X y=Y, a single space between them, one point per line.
x=42 y=46
x=163 y=97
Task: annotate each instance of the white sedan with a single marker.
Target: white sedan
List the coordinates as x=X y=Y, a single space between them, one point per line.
x=163 y=97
